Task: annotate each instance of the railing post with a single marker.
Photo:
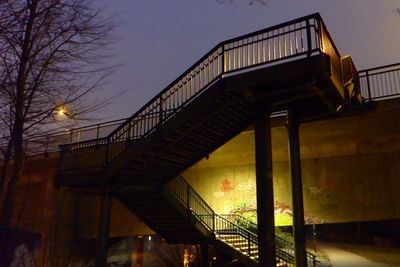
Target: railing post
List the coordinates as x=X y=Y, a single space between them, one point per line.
x=223 y=68
x=78 y=138
x=70 y=135
x=368 y=85
x=314 y=260
x=161 y=110
x=308 y=38
x=107 y=157
x=320 y=34
x=98 y=131
x=248 y=243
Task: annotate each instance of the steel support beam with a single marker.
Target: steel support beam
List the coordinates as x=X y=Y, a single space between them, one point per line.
x=297 y=190
x=264 y=183
x=103 y=231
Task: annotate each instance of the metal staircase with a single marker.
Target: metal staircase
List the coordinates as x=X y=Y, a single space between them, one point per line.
x=292 y=66
x=232 y=232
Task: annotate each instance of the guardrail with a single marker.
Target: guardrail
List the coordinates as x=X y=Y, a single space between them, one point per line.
x=288 y=41
x=281 y=243
x=244 y=230
x=242 y=236
x=192 y=201
x=381 y=82
x=50 y=142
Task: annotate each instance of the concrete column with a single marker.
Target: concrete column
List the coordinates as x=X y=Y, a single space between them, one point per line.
x=103 y=231
x=264 y=183
x=297 y=190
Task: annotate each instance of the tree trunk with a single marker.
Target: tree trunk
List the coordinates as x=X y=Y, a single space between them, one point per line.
x=3 y=178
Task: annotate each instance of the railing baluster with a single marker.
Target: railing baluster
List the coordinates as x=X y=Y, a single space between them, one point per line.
x=274 y=49
x=279 y=44
x=285 y=43
x=258 y=59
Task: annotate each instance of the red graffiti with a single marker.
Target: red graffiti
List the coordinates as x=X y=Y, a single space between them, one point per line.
x=226 y=186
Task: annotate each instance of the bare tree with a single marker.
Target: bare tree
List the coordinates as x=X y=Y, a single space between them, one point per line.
x=51 y=58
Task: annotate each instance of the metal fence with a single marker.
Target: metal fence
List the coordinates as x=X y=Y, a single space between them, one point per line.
x=381 y=82
x=50 y=142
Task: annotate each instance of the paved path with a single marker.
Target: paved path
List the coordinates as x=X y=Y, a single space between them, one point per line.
x=342 y=258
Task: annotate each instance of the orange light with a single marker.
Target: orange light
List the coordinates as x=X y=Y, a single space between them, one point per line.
x=61 y=112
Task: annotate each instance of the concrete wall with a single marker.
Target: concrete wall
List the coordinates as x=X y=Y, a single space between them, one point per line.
x=41 y=208
x=350 y=173
x=350 y=167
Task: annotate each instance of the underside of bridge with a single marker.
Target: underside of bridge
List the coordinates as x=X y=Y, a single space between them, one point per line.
x=292 y=67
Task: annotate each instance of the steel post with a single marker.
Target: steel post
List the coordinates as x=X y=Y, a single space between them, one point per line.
x=103 y=231
x=297 y=190
x=264 y=183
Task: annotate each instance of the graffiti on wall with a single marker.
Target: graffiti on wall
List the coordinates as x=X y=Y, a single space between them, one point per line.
x=240 y=199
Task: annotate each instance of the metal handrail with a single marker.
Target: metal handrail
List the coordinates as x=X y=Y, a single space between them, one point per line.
x=224 y=227
x=287 y=41
x=380 y=82
x=192 y=201
x=51 y=141
x=196 y=205
x=228 y=224
x=281 y=243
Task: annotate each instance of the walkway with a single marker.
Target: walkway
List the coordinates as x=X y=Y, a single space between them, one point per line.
x=341 y=258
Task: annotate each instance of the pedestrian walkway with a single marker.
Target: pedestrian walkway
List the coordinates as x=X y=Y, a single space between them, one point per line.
x=341 y=258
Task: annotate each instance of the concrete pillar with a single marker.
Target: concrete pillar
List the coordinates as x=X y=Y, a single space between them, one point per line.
x=103 y=231
x=264 y=183
x=297 y=190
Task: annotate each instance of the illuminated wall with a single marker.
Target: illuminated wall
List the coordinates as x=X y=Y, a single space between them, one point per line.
x=350 y=168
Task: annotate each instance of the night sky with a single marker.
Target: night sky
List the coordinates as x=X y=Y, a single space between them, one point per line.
x=157 y=40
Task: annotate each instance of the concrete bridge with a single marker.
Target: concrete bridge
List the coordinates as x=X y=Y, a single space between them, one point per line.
x=224 y=126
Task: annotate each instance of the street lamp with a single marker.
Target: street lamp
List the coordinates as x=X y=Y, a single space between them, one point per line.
x=61 y=113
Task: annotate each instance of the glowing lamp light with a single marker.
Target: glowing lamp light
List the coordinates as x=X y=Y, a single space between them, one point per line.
x=61 y=112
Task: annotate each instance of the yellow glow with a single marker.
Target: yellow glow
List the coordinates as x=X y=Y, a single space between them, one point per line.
x=61 y=112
